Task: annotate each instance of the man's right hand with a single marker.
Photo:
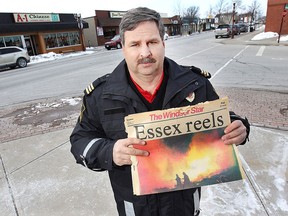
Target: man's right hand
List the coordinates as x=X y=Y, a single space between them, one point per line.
x=125 y=148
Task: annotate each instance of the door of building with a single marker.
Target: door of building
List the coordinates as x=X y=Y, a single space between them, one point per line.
x=30 y=45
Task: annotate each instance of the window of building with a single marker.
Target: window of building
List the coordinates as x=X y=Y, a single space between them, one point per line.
x=74 y=38
x=61 y=39
x=11 y=41
x=109 y=32
x=50 y=40
x=2 y=42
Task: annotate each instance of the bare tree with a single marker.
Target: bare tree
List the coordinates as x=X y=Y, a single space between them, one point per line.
x=192 y=12
x=221 y=6
x=254 y=9
x=210 y=12
x=178 y=9
x=191 y=15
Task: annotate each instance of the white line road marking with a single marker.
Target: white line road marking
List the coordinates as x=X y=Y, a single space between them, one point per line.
x=227 y=63
x=260 y=51
x=196 y=53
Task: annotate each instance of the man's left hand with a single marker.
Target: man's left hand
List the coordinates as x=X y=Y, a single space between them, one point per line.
x=235 y=133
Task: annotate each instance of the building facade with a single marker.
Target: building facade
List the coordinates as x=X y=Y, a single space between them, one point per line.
x=42 y=33
x=275 y=13
x=105 y=25
x=172 y=25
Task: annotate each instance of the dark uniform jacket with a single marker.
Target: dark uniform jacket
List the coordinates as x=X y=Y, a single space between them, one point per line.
x=101 y=123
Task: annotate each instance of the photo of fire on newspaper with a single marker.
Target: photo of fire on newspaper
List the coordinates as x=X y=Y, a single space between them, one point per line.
x=185 y=148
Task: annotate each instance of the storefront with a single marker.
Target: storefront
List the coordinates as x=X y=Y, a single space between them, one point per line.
x=42 y=33
x=105 y=24
x=172 y=25
x=102 y=27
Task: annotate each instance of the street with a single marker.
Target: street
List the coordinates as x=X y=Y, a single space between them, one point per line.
x=231 y=65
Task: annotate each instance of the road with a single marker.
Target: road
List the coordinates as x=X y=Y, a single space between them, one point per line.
x=231 y=65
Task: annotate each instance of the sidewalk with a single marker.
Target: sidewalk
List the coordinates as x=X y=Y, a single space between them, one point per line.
x=38 y=176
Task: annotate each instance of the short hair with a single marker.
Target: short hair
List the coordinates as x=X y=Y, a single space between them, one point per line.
x=133 y=17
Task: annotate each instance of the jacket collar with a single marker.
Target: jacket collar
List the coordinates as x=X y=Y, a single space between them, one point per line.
x=117 y=83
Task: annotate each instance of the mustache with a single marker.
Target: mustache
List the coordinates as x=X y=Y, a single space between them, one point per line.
x=146 y=60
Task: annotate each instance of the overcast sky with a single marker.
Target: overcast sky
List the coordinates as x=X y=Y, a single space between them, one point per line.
x=87 y=7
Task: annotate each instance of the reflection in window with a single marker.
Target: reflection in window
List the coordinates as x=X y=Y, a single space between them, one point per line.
x=61 y=39
x=2 y=42
x=109 y=32
x=11 y=41
x=74 y=38
x=50 y=40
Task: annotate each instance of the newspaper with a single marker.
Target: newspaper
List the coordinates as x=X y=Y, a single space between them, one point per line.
x=185 y=147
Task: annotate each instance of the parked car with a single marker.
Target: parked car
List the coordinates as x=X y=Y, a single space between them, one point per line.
x=13 y=57
x=237 y=29
x=243 y=27
x=223 y=31
x=115 y=42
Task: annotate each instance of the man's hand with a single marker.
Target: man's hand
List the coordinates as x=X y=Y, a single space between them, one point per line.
x=124 y=148
x=235 y=133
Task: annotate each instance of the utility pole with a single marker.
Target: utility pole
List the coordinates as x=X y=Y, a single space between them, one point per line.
x=233 y=18
x=80 y=27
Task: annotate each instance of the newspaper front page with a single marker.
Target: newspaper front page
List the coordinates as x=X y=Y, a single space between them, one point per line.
x=185 y=147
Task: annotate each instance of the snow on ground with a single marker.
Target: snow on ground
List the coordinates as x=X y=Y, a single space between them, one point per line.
x=267 y=35
x=53 y=56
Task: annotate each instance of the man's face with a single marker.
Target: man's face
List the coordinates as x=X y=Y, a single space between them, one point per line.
x=144 y=50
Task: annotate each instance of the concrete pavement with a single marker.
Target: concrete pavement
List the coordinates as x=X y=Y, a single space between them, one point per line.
x=38 y=175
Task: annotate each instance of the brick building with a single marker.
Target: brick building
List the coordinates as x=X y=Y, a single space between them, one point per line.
x=275 y=9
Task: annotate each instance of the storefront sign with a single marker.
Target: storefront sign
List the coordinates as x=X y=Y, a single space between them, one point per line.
x=116 y=14
x=31 y=17
x=100 y=31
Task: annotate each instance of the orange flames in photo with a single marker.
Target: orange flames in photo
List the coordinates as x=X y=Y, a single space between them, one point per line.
x=204 y=157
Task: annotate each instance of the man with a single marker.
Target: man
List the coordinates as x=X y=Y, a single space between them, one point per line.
x=144 y=81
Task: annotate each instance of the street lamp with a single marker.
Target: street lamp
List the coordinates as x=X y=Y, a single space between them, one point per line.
x=233 y=18
x=80 y=27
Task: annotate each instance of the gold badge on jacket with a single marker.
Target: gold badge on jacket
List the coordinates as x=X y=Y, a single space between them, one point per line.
x=190 y=97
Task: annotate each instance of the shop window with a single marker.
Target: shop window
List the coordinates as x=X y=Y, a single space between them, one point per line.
x=11 y=41
x=109 y=32
x=50 y=40
x=2 y=42
x=65 y=39
x=74 y=38
x=61 y=39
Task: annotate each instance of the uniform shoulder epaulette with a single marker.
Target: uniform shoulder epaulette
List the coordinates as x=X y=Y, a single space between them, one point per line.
x=90 y=88
x=199 y=71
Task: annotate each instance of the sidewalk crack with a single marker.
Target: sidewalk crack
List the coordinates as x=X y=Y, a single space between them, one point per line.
x=37 y=158
x=9 y=187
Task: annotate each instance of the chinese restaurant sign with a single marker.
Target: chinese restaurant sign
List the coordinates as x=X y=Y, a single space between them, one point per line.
x=33 y=17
